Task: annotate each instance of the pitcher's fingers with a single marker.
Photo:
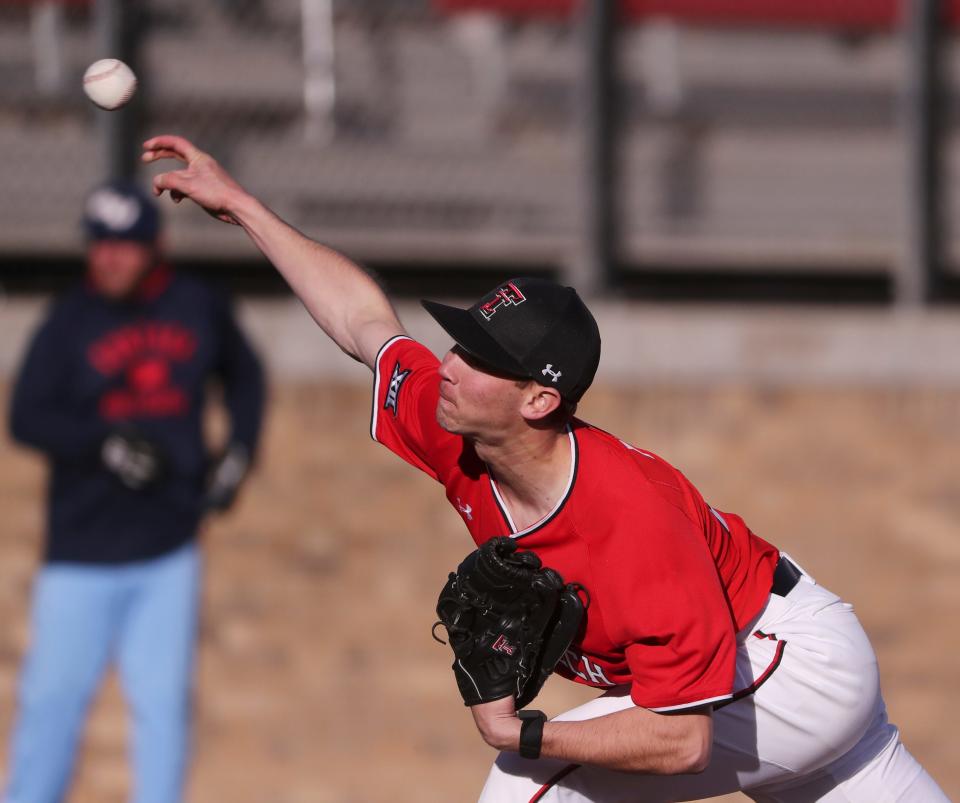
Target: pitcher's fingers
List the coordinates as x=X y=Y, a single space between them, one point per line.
x=168 y=181
x=171 y=142
x=178 y=147
x=154 y=155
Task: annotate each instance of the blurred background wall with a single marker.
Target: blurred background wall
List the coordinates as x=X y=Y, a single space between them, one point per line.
x=721 y=149
x=741 y=152
x=757 y=195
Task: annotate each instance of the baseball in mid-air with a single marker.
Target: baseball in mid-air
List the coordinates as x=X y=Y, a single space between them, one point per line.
x=109 y=83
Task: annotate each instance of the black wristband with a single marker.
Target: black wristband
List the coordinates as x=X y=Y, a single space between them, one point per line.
x=531 y=732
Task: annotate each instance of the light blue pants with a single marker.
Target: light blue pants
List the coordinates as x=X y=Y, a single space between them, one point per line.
x=142 y=615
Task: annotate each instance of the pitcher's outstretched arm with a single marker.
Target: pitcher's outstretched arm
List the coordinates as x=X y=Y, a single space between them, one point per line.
x=340 y=296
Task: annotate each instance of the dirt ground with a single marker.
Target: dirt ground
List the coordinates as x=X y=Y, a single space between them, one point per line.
x=318 y=680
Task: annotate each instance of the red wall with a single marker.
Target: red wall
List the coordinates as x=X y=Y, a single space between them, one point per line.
x=856 y=14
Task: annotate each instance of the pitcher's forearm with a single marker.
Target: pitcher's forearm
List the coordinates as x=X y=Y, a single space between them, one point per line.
x=635 y=740
x=340 y=296
x=631 y=740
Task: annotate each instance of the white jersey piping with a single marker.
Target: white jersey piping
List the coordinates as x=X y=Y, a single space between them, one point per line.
x=375 y=411
x=698 y=703
x=574 y=455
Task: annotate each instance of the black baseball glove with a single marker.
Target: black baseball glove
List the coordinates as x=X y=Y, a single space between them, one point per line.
x=133 y=459
x=509 y=620
x=225 y=477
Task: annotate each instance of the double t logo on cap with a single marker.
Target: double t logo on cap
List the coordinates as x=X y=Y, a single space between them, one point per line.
x=509 y=294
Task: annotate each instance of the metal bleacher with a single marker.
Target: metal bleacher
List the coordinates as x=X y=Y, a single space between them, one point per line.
x=772 y=151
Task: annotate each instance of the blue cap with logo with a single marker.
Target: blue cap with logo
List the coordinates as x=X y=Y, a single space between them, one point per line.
x=120 y=210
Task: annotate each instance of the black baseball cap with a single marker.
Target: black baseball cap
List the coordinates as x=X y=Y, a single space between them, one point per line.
x=531 y=329
x=120 y=210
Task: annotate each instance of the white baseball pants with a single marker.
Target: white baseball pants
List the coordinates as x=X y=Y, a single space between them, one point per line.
x=814 y=730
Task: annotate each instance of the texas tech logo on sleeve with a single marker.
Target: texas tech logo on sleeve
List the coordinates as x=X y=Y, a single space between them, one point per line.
x=393 y=391
x=508 y=295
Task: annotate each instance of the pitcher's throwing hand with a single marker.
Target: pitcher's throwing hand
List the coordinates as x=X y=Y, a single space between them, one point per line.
x=202 y=179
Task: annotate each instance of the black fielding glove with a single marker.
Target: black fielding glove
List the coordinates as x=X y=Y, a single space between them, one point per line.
x=509 y=620
x=132 y=459
x=226 y=475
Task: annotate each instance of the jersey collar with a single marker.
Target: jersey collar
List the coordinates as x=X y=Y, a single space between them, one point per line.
x=501 y=504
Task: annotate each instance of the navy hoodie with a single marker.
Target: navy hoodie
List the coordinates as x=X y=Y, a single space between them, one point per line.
x=95 y=366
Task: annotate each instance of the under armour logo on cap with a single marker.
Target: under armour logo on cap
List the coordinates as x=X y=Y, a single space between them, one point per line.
x=555 y=375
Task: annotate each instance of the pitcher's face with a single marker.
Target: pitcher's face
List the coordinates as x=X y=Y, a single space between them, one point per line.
x=476 y=401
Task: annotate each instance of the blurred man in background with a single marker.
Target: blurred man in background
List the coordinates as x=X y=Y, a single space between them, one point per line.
x=112 y=391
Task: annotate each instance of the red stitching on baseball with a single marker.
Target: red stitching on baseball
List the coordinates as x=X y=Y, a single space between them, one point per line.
x=88 y=79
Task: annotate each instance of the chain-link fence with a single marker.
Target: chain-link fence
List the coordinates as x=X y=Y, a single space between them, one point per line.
x=434 y=132
x=425 y=142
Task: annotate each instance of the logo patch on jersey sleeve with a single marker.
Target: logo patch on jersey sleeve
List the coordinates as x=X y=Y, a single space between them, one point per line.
x=397 y=379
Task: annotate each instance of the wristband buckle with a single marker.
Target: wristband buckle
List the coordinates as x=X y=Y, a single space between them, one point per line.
x=531 y=732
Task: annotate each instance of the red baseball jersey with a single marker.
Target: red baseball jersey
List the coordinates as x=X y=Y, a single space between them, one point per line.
x=670 y=579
